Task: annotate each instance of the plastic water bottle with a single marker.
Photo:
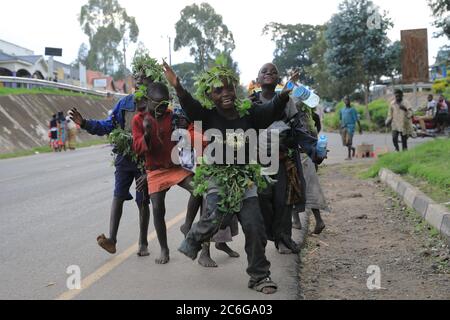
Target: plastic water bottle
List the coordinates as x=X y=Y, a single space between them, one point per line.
x=303 y=94
x=322 y=145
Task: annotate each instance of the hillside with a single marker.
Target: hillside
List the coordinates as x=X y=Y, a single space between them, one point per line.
x=24 y=118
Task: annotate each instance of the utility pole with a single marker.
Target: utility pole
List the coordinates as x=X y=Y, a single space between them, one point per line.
x=170 y=51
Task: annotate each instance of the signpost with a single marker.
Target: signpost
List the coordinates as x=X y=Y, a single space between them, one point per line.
x=52 y=52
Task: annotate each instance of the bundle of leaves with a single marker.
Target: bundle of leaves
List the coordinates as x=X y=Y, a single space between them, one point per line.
x=146 y=66
x=215 y=78
x=122 y=141
x=232 y=181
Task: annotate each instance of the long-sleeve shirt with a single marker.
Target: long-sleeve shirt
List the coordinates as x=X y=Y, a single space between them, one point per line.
x=260 y=116
x=158 y=149
x=117 y=117
x=400 y=120
x=121 y=116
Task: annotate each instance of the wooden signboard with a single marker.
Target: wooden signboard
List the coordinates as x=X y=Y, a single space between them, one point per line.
x=415 y=56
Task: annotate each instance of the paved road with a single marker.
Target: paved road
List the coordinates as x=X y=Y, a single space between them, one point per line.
x=53 y=206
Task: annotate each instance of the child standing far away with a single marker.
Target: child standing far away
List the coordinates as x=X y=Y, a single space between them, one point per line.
x=348 y=117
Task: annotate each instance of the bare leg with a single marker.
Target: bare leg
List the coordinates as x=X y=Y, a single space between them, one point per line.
x=109 y=244
x=296 y=224
x=144 y=220
x=194 y=205
x=159 y=213
x=320 y=225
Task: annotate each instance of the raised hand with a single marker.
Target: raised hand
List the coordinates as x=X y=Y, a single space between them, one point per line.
x=76 y=116
x=147 y=125
x=295 y=76
x=171 y=76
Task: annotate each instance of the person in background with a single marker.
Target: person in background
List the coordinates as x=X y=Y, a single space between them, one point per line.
x=399 y=117
x=441 y=116
x=53 y=134
x=72 y=129
x=62 y=131
x=349 y=117
x=430 y=112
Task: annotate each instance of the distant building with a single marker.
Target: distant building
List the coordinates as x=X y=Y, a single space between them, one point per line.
x=14 y=50
x=23 y=66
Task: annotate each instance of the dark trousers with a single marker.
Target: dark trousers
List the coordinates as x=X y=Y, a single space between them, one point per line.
x=395 y=135
x=252 y=225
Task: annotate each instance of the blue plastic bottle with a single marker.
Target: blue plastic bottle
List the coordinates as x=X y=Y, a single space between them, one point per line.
x=303 y=94
x=322 y=145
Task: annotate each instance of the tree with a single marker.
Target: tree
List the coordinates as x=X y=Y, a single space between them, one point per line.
x=443 y=55
x=107 y=24
x=357 y=45
x=83 y=53
x=326 y=87
x=441 y=9
x=186 y=71
x=393 y=57
x=293 y=44
x=202 y=30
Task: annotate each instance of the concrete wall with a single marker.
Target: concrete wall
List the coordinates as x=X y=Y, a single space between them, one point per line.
x=24 y=118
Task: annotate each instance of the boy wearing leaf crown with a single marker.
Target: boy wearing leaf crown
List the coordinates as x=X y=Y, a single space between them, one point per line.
x=230 y=188
x=119 y=123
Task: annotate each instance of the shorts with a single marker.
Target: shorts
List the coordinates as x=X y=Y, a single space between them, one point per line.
x=125 y=174
x=347 y=137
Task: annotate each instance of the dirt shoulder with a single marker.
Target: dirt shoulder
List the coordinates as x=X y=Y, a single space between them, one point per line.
x=368 y=226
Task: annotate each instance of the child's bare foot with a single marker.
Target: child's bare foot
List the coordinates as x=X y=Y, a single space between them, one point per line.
x=319 y=228
x=206 y=261
x=282 y=249
x=348 y=159
x=143 y=251
x=225 y=248
x=164 y=258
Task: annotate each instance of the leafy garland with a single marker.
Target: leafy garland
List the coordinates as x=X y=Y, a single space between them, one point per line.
x=144 y=65
x=122 y=141
x=232 y=181
x=214 y=78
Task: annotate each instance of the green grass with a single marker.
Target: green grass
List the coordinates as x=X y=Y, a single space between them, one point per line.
x=14 y=91
x=378 y=110
x=47 y=149
x=428 y=162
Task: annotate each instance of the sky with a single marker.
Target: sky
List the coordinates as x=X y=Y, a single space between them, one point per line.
x=36 y=24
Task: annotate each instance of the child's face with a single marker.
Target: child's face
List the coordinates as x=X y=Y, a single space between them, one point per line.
x=268 y=75
x=224 y=97
x=157 y=104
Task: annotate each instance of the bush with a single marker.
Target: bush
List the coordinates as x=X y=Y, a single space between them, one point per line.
x=378 y=111
x=441 y=85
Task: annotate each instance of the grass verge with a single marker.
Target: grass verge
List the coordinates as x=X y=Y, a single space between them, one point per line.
x=47 y=149
x=14 y=91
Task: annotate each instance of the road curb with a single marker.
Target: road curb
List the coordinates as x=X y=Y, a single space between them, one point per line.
x=435 y=214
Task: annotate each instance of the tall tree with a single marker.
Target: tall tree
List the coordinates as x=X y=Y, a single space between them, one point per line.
x=293 y=44
x=326 y=87
x=107 y=24
x=441 y=11
x=357 y=44
x=202 y=30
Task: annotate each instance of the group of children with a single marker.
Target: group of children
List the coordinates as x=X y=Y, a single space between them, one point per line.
x=264 y=210
x=62 y=131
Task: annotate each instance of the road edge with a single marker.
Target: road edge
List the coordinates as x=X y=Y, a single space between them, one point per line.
x=435 y=214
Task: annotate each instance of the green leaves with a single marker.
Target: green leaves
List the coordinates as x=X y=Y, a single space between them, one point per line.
x=122 y=141
x=233 y=181
x=148 y=66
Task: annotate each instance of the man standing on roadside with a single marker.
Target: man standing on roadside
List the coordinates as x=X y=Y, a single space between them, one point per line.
x=399 y=117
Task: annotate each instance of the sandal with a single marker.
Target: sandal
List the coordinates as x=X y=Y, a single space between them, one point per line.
x=106 y=244
x=266 y=283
